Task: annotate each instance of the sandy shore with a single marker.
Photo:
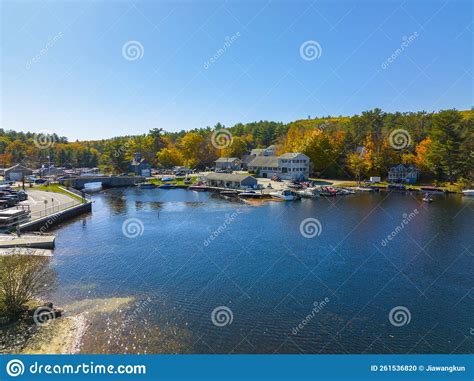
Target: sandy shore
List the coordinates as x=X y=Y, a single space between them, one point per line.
x=58 y=336
x=65 y=334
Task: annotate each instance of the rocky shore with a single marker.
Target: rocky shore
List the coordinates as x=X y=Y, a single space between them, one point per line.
x=45 y=329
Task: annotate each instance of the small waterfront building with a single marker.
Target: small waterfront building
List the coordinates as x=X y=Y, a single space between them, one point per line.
x=233 y=163
x=289 y=166
x=230 y=180
x=50 y=171
x=403 y=174
x=17 y=173
x=140 y=166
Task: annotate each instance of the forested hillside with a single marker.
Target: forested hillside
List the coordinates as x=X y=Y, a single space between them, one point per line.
x=439 y=144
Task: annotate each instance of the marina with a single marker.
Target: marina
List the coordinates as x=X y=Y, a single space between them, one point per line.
x=173 y=273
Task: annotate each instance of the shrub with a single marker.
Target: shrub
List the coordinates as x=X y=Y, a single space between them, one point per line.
x=23 y=278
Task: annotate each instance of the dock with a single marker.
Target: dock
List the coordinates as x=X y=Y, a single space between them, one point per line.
x=31 y=241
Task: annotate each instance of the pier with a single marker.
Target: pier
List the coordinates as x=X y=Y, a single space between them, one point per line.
x=32 y=241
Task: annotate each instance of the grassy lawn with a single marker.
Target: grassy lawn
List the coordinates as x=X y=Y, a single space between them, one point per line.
x=56 y=188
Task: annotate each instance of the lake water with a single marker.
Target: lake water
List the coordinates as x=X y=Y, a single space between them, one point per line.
x=348 y=289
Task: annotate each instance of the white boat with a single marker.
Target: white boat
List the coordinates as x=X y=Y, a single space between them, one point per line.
x=427 y=198
x=344 y=191
x=286 y=195
x=250 y=193
x=309 y=193
x=468 y=192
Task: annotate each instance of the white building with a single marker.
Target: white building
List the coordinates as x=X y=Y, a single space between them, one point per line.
x=289 y=166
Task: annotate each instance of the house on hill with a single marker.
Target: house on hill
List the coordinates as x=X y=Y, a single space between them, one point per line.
x=403 y=174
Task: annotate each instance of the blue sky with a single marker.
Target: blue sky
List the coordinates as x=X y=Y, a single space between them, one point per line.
x=64 y=68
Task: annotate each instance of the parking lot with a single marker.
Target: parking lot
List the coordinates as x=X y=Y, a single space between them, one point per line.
x=42 y=202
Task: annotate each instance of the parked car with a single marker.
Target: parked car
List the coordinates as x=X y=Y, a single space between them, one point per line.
x=40 y=181
x=10 y=200
x=22 y=195
x=4 y=204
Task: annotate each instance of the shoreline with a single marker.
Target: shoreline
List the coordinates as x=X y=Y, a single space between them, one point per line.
x=59 y=336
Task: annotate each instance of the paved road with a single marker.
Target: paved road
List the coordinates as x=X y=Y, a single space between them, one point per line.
x=55 y=201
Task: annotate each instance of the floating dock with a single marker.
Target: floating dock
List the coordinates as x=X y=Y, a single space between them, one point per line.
x=31 y=241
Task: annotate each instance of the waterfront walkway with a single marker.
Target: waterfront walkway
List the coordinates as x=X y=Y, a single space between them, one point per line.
x=27 y=240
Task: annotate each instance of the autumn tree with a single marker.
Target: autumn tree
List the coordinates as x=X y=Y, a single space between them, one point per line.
x=357 y=165
x=169 y=157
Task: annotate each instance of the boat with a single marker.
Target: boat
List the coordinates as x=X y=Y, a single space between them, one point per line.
x=427 y=198
x=167 y=178
x=249 y=193
x=430 y=189
x=328 y=192
x=295 y=186
x=198 y=187
x=147 y=185
x=364 y=189
x=309 y=193
x=286 y=195
x=468 y=192
x=345 y=191
x=167 y=186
